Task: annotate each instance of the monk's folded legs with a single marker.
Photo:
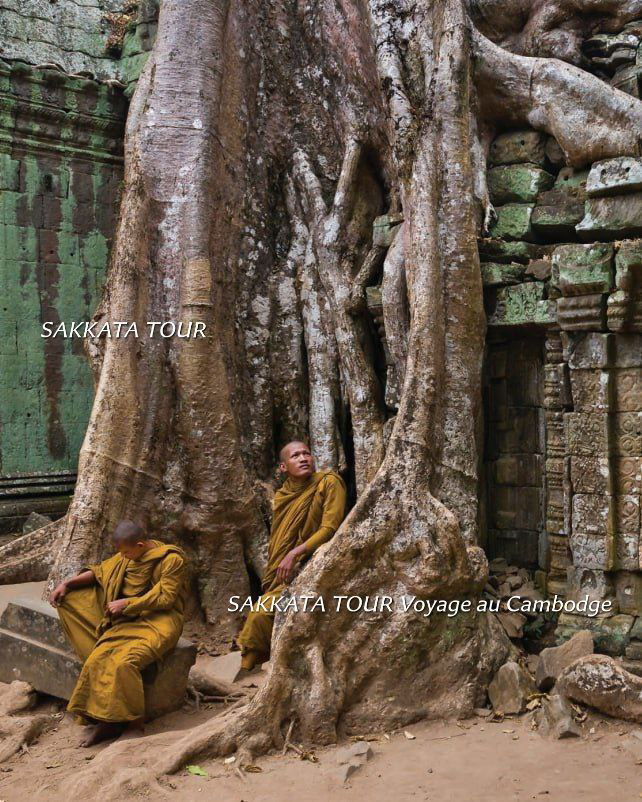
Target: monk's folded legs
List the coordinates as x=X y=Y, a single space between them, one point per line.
x=254 y=639
x=110 y=686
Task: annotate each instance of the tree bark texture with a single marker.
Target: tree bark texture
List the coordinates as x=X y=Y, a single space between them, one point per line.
x=263 y=140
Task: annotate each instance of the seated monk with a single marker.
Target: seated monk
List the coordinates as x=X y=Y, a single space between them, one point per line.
x=121 y=616
x=307 y=511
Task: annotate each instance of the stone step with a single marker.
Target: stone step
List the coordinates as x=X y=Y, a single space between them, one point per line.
x=37 y=619
x=47 y=668
x=34 y=649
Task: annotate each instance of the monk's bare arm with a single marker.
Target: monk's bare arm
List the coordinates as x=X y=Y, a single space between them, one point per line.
x=81 y=580
x=163 y=595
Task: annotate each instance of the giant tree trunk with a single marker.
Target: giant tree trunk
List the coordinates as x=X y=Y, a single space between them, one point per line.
x=263 y=139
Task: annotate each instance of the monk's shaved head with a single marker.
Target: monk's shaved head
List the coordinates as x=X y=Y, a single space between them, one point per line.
x=296 y=460
x=283 y=453
x=128 y=532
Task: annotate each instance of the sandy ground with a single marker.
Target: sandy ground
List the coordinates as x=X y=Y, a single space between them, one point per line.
x=446 y=762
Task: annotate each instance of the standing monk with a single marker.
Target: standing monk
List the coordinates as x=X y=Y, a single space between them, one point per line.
x=121 y=615
x=307 y=511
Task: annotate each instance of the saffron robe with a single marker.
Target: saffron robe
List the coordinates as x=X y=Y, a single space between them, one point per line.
x=306 y=512
x=115 y=650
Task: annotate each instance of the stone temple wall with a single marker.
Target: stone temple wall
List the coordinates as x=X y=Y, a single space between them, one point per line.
x=562 y=273
x=66 y=70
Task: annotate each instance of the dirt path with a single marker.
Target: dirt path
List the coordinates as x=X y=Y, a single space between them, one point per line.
x=473 y=760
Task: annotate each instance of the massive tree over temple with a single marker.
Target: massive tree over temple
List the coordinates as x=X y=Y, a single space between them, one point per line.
x=263 y=139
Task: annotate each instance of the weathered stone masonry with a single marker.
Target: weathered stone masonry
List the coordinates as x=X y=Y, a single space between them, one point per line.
x=64 y=79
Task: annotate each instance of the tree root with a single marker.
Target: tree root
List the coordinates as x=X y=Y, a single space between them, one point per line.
x=18 y=732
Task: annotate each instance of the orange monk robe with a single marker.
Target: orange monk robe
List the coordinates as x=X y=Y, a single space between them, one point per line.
x=306 y=511
x=114 y=651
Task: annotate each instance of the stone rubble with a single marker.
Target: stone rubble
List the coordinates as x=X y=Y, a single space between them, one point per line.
x=601 y=683
x=511 y=688
x=554 y=660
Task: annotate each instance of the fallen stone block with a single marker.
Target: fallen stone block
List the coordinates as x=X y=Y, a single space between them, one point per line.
x=225 y=668
x=599 y=682
x=351 y=758
x=34 y=521
x=511 y=688
x=34 y=649
x=554 y=719
x=207 y=682
x=555 y=659
x=360 y=750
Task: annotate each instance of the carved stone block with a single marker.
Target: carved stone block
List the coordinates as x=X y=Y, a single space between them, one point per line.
x=587 y=433
x=590 y=350
x=556 y=489
x=493 y=249
x=555 y=510
x=590 y=474
x=628 y=591
x=513 y=222
x=517 y=183
x=627 y=390
x=557 y=213
x=627 y=551
x=584 y=269
x=555 y=433
x=560 y=556
x=627 y=513
x=495 y=274
x=590 y=514
x=627 y=434
x=624 y=312
x=553 y=349
x=590 y=390
x=582 y=313
x=628 y=475
x=624 y=307
x=557 y=392
x=590 y=550
x=522 y=305
x=591 y=582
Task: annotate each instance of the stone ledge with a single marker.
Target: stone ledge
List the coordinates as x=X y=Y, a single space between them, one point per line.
x=34 y=649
